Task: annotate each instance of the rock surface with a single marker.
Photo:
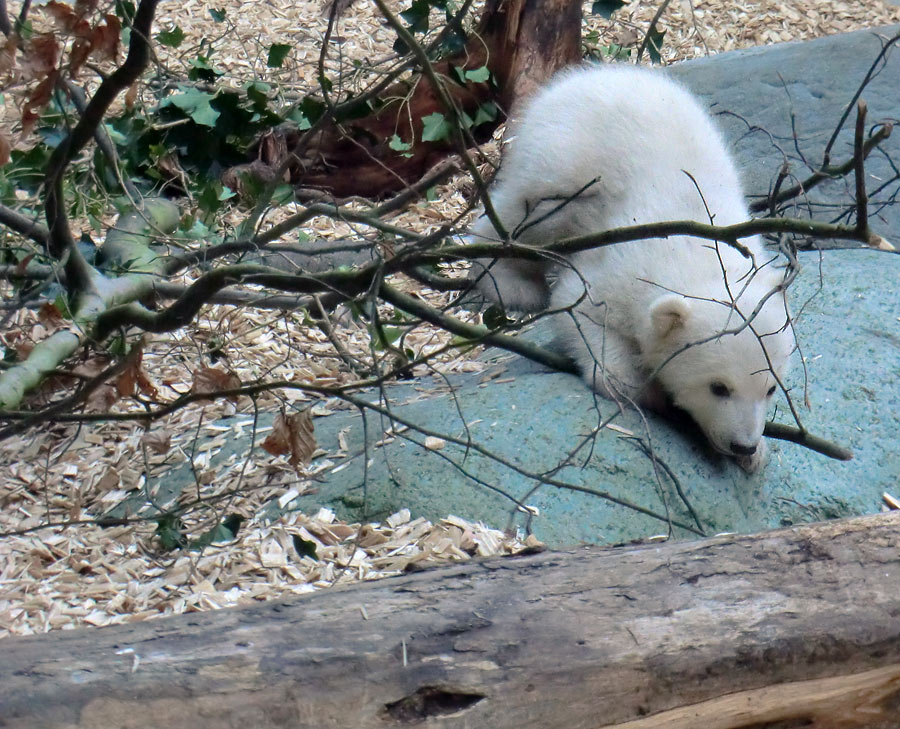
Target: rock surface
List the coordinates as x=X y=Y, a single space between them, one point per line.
x=542 y=423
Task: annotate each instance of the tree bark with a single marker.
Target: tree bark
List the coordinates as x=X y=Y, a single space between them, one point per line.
x=793 y=628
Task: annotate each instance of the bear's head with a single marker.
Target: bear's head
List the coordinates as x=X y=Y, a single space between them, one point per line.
x=718 y=366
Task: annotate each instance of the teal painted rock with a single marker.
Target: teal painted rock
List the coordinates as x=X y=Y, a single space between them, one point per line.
x=526 y=425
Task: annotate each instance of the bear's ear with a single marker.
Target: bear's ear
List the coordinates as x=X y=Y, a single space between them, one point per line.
x=669 y=313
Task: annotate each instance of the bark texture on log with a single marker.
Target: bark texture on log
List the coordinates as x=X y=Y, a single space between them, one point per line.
x=787 y=629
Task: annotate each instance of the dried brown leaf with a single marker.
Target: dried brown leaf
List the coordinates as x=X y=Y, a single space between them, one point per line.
x=293 y=436
x=158 y=441
x=4 y=151
x=880 y=243
x=63 y=15
x=133 y=378
x=105 y=38
x=131 y=95
x=50 y=316
x=81 y=49
x=37 y=101
x=41 y=56
x=8 y=53
x=212 y=380
x=85 y=7
x=101 y=399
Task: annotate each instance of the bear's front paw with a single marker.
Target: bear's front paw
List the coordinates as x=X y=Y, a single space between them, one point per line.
x=754 y=463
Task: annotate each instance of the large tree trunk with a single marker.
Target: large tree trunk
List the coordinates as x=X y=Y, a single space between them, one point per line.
x=794 y=628
x=522 y=42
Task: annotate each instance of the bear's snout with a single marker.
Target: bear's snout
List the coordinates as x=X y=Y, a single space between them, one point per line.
x=742 y=450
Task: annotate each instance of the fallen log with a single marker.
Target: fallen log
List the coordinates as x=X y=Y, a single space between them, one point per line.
x=793 y=628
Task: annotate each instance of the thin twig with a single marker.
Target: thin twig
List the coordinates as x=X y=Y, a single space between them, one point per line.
x=656 y=17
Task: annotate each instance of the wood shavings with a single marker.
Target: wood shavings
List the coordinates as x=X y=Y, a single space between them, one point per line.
x=62 y=580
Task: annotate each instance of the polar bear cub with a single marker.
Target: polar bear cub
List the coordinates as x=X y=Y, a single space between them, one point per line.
x=687 y=318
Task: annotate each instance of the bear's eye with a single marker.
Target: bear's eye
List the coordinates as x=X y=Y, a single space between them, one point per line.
x=771 y=391
x=719 y=389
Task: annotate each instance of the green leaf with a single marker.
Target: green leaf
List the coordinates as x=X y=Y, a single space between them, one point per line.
x=494 y=317
x=169 y=530
x=125 y=9
x=277 y=53
x=383 y=337
x=202 y=70
x=218 y=15
x=435 y=127
x=116 y=136
x=487 y=112
x=171 y=38
x=226 y=531
x=195 y=104
x=300 y=119
x=398 y=145
x=478 y=75
x=417 y=16
x=258 y=93
x=304 y=547
x=209 y=199
x=455 y=39
x=654 y=44
x=615 y=52
x=283 y=194
x=606 y=8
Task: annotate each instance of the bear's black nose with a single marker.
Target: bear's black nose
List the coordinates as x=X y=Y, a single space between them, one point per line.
x=742 y=450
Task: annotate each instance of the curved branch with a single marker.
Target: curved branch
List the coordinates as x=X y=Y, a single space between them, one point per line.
x=24 y=226
x=825 y=173
x=793 y=434
x=124 y=76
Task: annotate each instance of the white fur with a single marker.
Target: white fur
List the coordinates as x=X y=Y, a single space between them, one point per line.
x=642 y=303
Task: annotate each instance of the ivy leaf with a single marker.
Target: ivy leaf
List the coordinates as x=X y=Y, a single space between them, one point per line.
x=385 y=336
x=495 y=318
x=218 y=15
x=171 y=38
x=304 y=547
x=202 y=70
x=654 y=44
x=169 y=532
x=606 y=8
x=196 y=104
x=277 y=53
x=487 y=112
x=398 y=145
x=478 y=75
x=226 y=531
x=417 y=16
x=435 y=127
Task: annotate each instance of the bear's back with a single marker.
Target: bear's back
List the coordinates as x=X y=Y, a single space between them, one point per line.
x=636 y=130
